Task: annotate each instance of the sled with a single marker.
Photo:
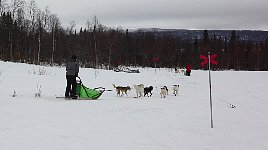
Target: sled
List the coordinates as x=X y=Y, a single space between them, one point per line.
x=85 y=93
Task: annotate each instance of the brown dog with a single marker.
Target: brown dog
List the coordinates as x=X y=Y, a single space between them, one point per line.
x=121 y=89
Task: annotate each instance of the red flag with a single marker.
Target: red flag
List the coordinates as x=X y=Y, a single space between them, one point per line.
x=205 y=60
x=212 y=59
x=156 y=59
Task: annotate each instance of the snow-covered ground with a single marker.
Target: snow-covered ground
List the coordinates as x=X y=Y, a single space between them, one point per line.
x=127 y=123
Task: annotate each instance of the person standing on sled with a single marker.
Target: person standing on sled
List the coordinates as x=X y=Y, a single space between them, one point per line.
x=72 y=70
x=188 y=70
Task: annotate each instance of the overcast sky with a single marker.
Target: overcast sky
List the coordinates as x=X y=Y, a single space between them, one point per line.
x=175 y=14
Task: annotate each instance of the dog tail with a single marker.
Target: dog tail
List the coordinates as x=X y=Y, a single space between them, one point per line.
x=114 y=86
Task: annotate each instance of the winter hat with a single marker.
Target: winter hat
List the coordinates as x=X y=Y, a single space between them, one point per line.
x=74 y=57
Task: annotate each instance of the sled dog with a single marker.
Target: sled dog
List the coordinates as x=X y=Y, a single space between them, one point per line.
x=164 y=91
x=139 y=90
x=176 y=89
x=121 y=89
x=148 y=90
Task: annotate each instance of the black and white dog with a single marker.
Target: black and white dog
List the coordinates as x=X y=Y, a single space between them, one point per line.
x=148 y=90
x=176 y=89
x=164 y=91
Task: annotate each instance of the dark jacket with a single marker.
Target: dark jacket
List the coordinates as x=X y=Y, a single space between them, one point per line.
x=72 y=68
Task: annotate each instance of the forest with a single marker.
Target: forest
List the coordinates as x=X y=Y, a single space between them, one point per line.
x=31 y=35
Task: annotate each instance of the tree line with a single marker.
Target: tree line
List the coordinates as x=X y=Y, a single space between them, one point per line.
x=31 y=35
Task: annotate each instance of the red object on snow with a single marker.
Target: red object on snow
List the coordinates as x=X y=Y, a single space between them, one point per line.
x=188 y=68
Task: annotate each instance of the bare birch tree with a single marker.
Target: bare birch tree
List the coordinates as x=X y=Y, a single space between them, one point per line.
x=55 y=24
x=93 y=26
x=31 y=14
x=15 y=6
x=70 y=28
x=3 y=6
x=42 y=21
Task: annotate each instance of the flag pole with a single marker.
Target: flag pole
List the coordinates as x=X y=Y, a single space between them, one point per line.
x=211 y=118
x=155 y=67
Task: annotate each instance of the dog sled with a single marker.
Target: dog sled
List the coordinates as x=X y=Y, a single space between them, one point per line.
x=85 y=93
x=127 y=70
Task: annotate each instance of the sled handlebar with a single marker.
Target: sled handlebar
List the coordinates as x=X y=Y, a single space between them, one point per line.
x=97 y=88
x=79 y=79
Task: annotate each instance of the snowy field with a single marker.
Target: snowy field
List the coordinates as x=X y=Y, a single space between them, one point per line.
x=126 y=123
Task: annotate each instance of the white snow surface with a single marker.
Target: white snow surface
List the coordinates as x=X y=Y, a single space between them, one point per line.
x=127 y=123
